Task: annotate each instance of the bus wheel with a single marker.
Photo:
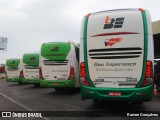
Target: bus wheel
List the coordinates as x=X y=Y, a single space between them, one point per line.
x=97 y=101
x=138 y=102
x=58 y=89
x=19 y=82
x=36 y=85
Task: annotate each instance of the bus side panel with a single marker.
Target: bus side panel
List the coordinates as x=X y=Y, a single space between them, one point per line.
x=20 y=66
x=149 y=23
x=150 y=50
x=74 y=64
x=81 y=42
x=82 y=27
x=81 y=51
x=150 y=39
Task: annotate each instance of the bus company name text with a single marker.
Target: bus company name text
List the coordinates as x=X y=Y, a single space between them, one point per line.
x=113 y=64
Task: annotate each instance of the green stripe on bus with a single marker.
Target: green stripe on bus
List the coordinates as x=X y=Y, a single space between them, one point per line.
x=85 y=50
x=145 y=27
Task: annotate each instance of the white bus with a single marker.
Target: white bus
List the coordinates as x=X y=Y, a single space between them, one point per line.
x=13 y=70
x=31 y=69
x=117 y=56
x=59 y=65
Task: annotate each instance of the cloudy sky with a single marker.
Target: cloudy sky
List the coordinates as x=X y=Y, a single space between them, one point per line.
x=29 y=23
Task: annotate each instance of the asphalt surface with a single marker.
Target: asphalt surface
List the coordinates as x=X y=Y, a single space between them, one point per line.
x=15 y=97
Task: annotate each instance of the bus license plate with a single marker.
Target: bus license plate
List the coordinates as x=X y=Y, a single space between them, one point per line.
x=55 y=83
x=115 y=93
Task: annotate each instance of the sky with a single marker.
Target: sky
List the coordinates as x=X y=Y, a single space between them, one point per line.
x=29 y=23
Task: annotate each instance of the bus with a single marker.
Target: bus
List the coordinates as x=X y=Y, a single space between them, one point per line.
x=13 y=70
x=2 y=71
x=59 y=66
x=31 y=69
x=116 y=56
x=2 y=68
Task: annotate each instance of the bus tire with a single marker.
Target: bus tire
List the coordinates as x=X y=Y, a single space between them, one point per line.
x=36 y=85
x=96 y=101
x=138 y=102
x=58 y=89
x=20 y=83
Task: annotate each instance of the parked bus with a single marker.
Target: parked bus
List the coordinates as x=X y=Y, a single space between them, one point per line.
x=2 y=68
x=13 y=70
x=116 y=56
x=31 y=69
x=2 y=71
x=59 y=65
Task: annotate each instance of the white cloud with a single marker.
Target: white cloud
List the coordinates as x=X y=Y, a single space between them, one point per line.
x=29 y=23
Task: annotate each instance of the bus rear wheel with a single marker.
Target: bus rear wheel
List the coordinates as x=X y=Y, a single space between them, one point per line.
x=59 y=89
x=138 y=102
x=97 y=101
x=36 y=85
x=20 y=83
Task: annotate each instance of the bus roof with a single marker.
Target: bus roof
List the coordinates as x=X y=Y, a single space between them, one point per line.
x=12 y=63
x=55 y=50
x=127 y=9
x=31 y=59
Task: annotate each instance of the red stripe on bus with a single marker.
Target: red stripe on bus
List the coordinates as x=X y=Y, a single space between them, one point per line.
x=115 y=33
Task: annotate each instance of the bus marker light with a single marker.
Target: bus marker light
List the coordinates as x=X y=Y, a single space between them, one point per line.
x=21 y=74
x=72 y=75
x=148 y=75
x=84 y=81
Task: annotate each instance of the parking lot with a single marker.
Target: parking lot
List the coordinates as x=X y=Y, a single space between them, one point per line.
x=15 y=97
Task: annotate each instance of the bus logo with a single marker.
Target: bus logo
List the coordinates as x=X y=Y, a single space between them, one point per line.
x=113 y=23
x=32 y=58
x=54 y=48
x=112 y=41
x=13 y=62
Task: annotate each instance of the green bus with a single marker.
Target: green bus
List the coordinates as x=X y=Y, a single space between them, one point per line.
x=117 y=56
x=59 y=65
x=31 y=69
x=13 y=68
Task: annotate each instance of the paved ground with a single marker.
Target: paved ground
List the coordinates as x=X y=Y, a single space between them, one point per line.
x=15 y=97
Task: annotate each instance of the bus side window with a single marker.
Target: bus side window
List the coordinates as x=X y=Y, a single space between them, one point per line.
x=77 y=53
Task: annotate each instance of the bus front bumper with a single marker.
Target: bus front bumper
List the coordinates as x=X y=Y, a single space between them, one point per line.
x=31 y=81
x=13 y=79
x=127 y=94
x=57 y=83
